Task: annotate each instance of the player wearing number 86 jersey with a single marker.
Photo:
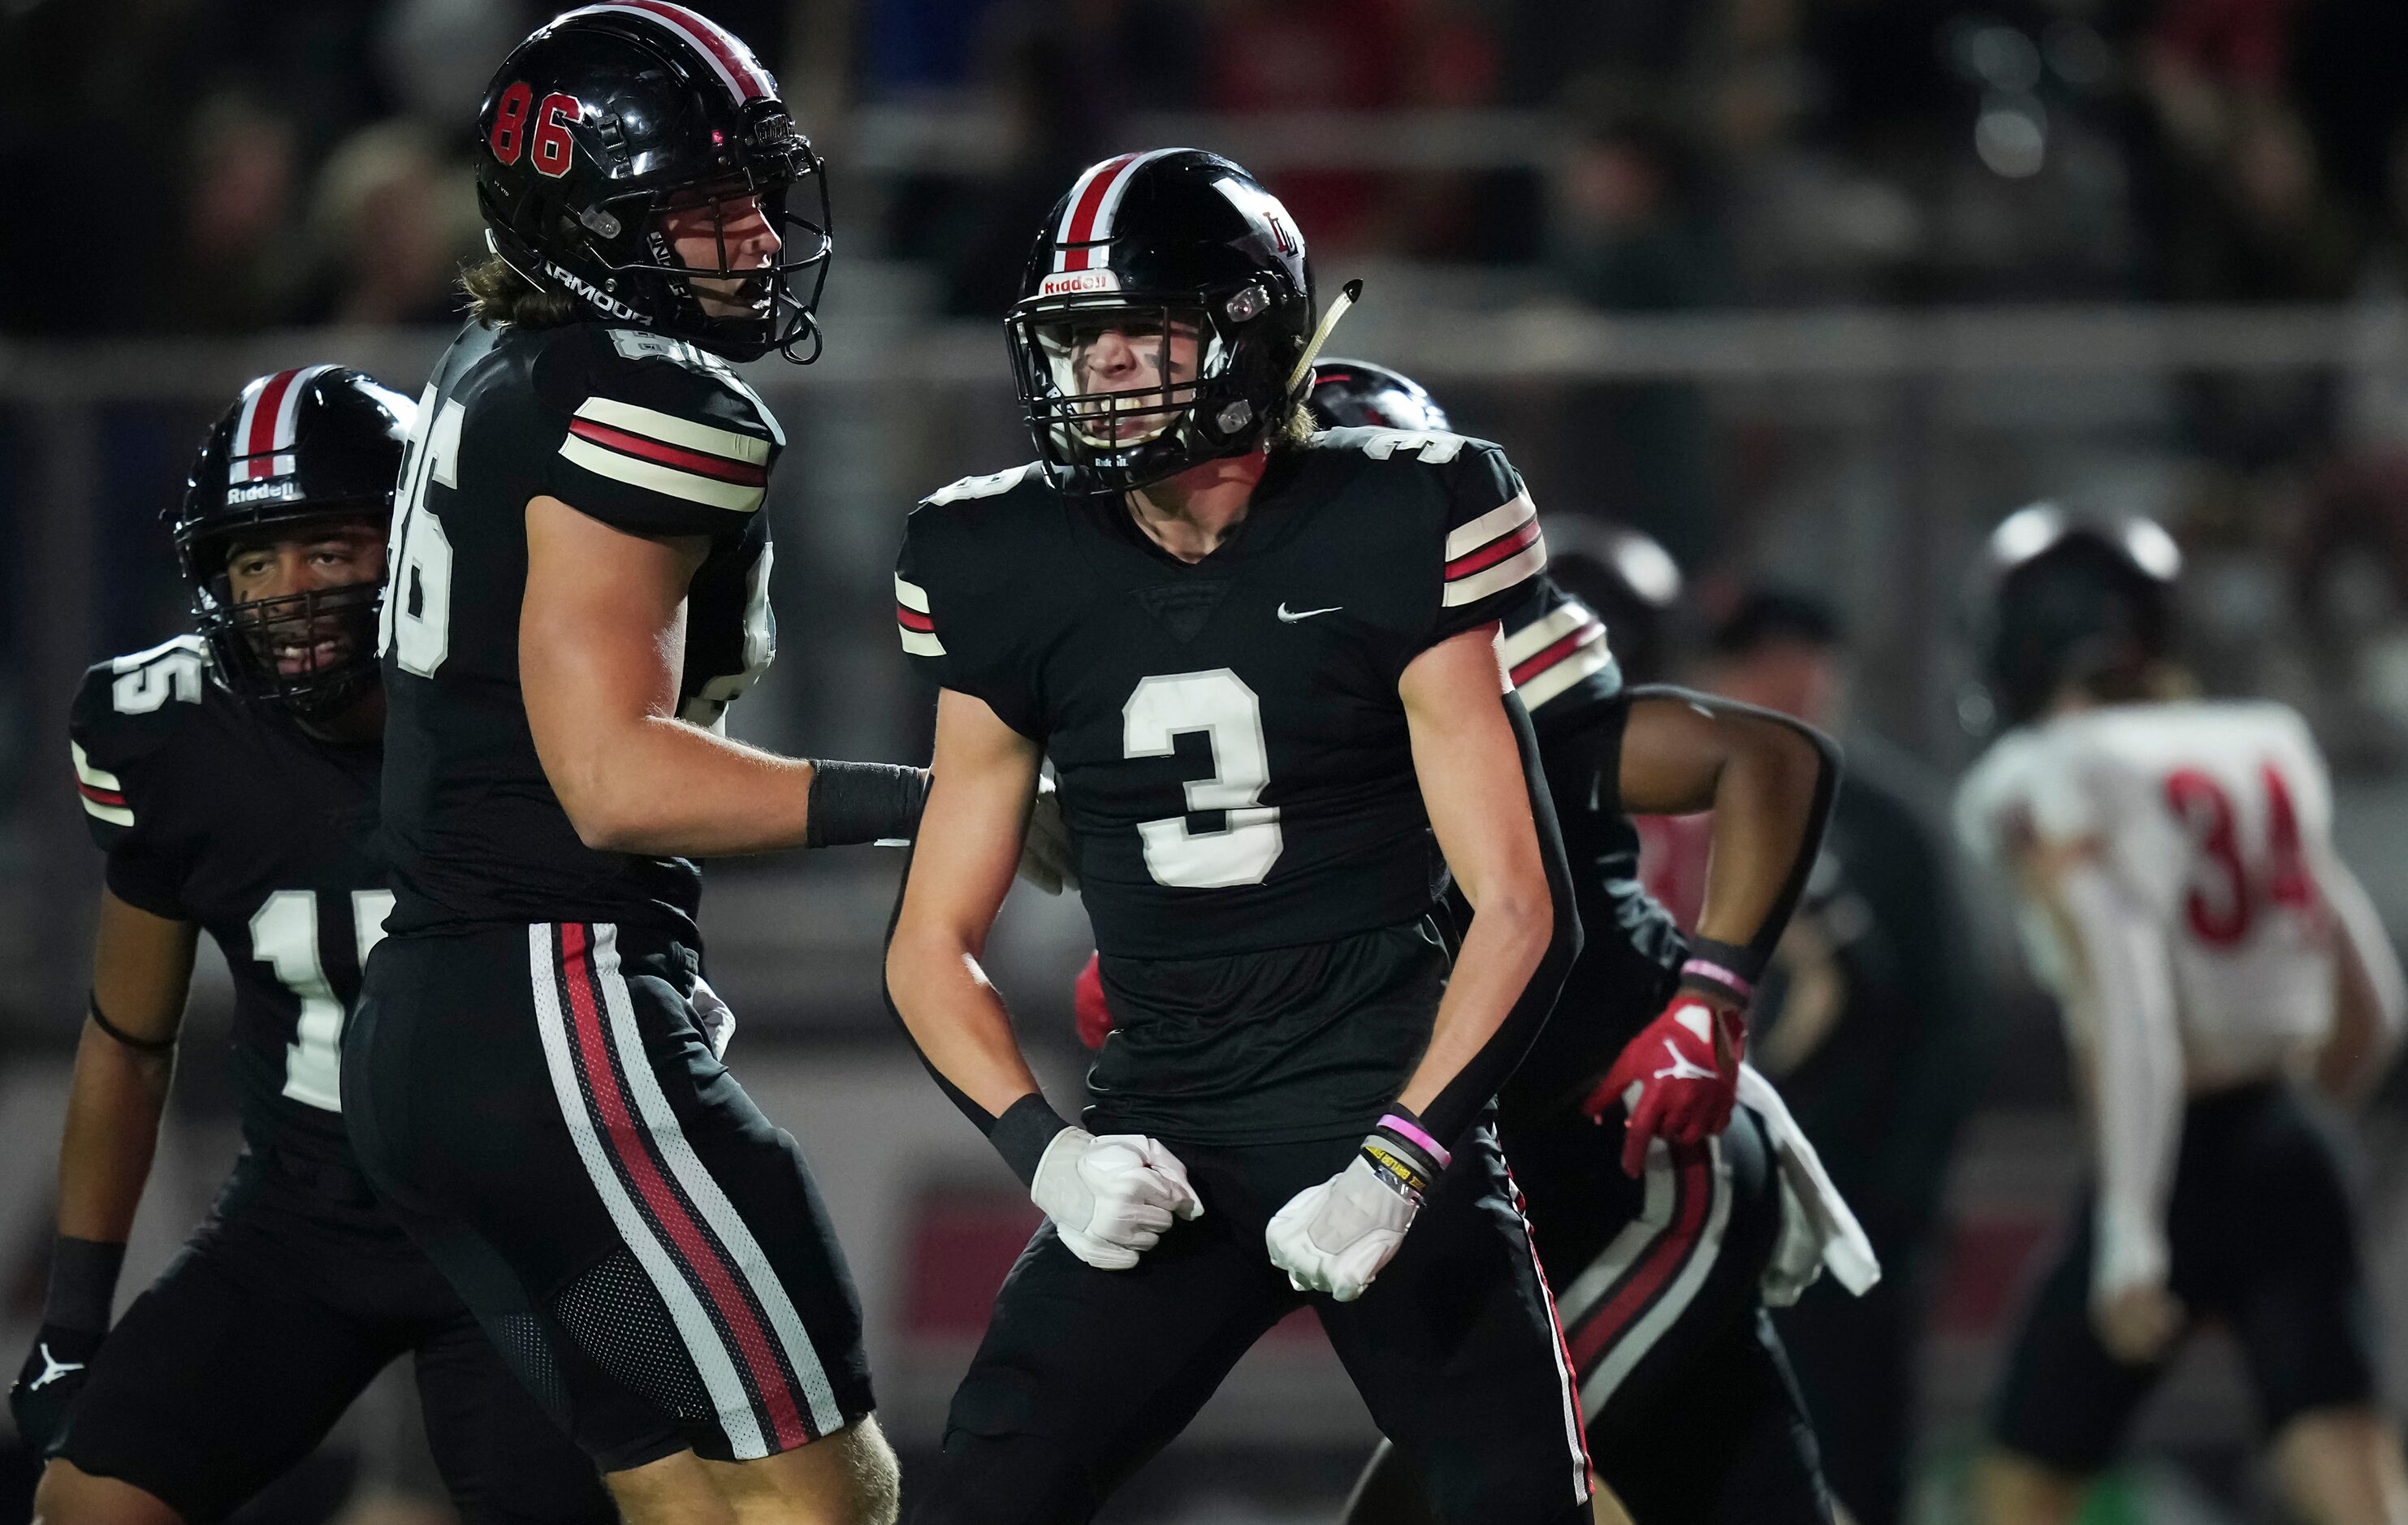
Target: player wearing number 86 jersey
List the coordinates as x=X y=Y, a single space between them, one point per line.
x=2180 y=893
x=534 y=1080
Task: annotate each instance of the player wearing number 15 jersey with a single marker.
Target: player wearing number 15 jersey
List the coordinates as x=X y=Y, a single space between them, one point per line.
x=230 y=779
x=1263 y=664
x=580 y=589
x=2181 y=895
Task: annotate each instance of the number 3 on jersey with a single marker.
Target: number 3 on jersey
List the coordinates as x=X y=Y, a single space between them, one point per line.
x=416 y=624
x=1220 y=705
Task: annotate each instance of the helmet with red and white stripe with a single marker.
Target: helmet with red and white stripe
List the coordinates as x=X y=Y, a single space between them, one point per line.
x=1172 y=241
x=301 y=448
x=609 y=117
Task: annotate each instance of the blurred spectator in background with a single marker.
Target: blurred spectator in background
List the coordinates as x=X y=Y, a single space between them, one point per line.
x=389 y=225
x=2249 y=215
x=238 y=264
x=1865 y=1022
x=1630 y=231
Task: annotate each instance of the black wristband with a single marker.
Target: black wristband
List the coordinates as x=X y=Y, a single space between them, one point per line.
x=851 y=803
x=83 y=1283
x=1721 y=971
x=1021 y=1136
x=1403 y=1153
x=140 y=1046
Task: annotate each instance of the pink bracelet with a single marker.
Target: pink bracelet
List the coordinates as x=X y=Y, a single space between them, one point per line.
x=1720 y=975
x=1412 y=1132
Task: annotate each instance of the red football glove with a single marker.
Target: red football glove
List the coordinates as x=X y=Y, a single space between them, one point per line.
x=1684 y=1065
x=1087 y=1001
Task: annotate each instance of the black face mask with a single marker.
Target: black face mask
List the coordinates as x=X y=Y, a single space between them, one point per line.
x=312 y=654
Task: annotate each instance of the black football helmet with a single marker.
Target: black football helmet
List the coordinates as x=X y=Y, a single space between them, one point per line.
x=1629 y=579
x=1150 y=244
x=2070 y=598
x=299 y=447
x=1356 y=395
x=611 y=116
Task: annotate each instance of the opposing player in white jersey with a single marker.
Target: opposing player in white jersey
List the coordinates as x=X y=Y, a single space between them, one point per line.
x=2179 y=892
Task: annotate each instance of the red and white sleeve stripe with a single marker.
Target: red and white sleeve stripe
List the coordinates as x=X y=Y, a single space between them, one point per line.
x=912 y=619
x=661 y=452
x=104 y=797
x=1492 y=553
x=1555 y=651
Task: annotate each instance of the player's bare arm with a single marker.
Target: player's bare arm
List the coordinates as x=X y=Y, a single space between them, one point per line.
x=1109 y=1198
x=1472 y=783
x=1768 y=780
x=985 y=777
x=2121 y=982
x=142 y=969
x=600 y=638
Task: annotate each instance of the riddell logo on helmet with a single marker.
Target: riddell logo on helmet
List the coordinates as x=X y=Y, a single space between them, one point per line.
x=593 y=293
x=1069 y=282
x=280 y=489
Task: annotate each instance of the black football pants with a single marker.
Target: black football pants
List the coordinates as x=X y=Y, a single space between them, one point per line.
x=1085 y=1374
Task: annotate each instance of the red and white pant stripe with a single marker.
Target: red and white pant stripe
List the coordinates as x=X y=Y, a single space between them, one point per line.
x=731 y=1313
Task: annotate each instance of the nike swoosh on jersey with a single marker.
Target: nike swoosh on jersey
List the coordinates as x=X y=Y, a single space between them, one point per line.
x=1291 y=616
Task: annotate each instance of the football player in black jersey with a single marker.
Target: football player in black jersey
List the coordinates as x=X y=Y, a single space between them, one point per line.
x=231 y=778
x=1263 y=664
x=580 y=589
x=1662 y=1251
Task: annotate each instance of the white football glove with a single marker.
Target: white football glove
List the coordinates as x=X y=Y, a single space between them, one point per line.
x=714 y=1016
x=1338 y=1236
x=1047 y=853
x=1110 y=1198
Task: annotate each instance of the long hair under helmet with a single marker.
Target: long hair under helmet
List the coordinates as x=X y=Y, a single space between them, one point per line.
x=611 y=117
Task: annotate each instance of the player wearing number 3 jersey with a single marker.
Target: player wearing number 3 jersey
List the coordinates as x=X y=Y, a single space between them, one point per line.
x=1263 y=664
x=581 y=591
x=2181 y=895
x=231 y=779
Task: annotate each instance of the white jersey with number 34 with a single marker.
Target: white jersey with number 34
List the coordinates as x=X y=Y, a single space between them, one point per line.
x=2218 y=815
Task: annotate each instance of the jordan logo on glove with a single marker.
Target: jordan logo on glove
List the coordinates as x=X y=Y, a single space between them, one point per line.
x=1686 y=1099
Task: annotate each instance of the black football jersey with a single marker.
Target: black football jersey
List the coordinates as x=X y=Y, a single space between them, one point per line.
x=1231 y=748
x=221 y=812
x=1555 y=651
x=648 y=434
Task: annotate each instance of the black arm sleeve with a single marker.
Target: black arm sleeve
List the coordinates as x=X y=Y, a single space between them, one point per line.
x=1749 y=958
x=1462 y=1099
x=1025 y=1127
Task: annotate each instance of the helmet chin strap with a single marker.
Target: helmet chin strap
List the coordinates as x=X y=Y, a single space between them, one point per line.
x=1347 y=296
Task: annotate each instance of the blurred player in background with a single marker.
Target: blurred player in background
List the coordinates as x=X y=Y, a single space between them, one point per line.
x=1263 y=663
x=231 y=779
x=2180 y=892
x=581 y=591
x=1865 y=1022
x=1660 y=1228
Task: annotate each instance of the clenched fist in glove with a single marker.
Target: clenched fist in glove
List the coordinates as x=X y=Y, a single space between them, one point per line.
x=1679 y=1076
x=1338 y=1236
x=1110 y=1198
